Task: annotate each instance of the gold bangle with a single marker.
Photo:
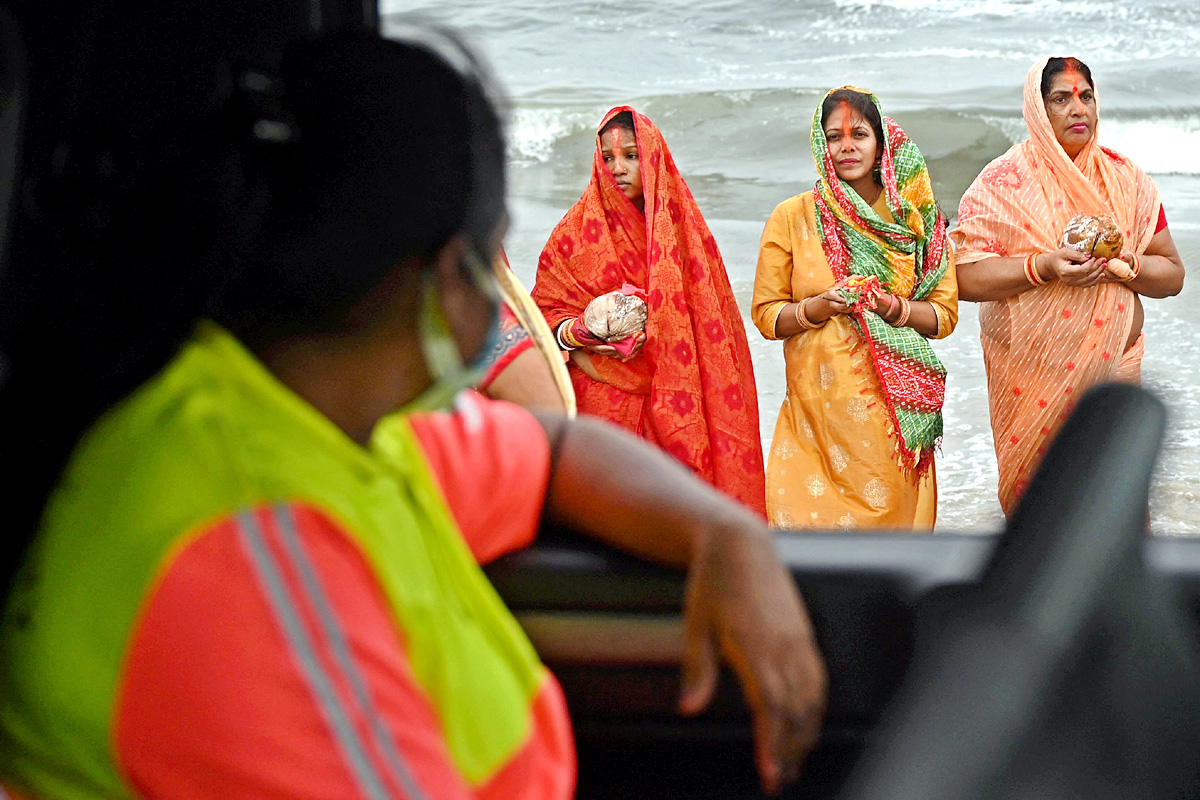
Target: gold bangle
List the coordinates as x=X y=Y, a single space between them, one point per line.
x=802 y=313
x=566 y=332
x=905 y=310
x=1031 y=271
x=802 y=316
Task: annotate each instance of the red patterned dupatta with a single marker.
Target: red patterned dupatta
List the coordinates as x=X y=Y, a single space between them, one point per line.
x=691 y=391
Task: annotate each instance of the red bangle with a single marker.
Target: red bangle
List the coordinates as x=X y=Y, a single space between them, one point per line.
x=565 y=331
x=1031 y=271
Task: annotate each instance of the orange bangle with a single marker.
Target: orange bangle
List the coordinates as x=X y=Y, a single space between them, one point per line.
x=905 y=311
x=891 y=306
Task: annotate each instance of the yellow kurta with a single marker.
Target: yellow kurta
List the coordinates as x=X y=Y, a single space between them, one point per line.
x=833 y=456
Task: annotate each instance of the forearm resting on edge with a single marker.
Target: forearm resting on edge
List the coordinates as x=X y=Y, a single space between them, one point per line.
x=610 y=485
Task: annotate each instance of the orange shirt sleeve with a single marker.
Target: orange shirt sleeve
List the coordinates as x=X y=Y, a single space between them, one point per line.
x=492 y=461
x=241 y=681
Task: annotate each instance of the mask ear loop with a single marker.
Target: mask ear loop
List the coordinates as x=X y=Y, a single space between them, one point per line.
x=442 y=359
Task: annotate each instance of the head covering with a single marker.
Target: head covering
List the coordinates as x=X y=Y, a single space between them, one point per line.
x=909 y=257
x=695 y=370
x=1021 y=202
x=1046 y=345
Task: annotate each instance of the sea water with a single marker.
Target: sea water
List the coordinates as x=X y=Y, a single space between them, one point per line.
x=733 y=86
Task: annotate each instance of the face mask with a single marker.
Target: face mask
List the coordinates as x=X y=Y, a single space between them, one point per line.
x=442 y=359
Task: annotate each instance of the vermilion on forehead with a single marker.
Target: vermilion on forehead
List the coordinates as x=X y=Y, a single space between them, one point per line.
x=847 y=118
x=851 y=119
x=619 y=138
x=1075 y=78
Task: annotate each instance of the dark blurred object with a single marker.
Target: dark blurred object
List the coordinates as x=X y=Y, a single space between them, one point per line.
x=1070 y=671
x=13 y=97
x=1031 y=664
x=102 y=111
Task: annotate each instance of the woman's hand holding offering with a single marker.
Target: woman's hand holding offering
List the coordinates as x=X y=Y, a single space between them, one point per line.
x=825 y=305
x=612 y=352
x=1071 y=267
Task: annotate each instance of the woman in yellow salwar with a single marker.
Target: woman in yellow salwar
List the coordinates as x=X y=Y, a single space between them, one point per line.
x=856 y=276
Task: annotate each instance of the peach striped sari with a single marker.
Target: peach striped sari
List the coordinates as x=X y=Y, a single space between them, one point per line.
x=1045 y=346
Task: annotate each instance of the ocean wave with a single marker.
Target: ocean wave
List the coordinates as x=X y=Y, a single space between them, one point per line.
x=1035 y=9
x=533 y=132
x=1161 y=146
x=760 y=120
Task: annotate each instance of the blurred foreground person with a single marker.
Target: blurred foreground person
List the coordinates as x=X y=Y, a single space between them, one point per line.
x=254 y=571
x=524 y=365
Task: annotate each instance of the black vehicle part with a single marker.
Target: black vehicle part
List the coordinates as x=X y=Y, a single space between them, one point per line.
x=1070 y=671
x=13 y=96
x=609 y=626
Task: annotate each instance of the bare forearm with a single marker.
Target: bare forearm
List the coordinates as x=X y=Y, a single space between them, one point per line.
x=922 y=316
x=610 y=485
x=1158 y=276
x=816 y=309
x=992 y=279
x=527 y=381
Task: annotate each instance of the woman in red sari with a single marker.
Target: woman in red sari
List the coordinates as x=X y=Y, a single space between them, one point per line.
x=686 y=383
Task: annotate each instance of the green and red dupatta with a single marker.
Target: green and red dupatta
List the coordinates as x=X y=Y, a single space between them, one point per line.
x=909 y=257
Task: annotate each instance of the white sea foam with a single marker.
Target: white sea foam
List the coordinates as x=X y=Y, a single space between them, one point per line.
x=533 y=131
x=1162 y=146
x=995 y=8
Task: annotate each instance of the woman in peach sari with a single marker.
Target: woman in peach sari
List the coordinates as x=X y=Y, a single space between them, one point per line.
x=685 y=383
x=1055 y=321
x=854 y=444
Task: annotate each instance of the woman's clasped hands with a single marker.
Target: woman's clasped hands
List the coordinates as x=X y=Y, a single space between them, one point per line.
x=639 y=341
x=848 y=296
x=1081 y=270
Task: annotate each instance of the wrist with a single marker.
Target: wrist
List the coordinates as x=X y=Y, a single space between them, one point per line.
x=558 y=334
x=1135 y=266
x=803 y=311
x=566 y=335
x=1032 y=269
x=901 y=318
x=891 y=311
x=725 y=532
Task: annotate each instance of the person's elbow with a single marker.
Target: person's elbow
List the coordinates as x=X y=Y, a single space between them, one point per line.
x=1175 y=282
x=971 y=287
x=765 y=316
